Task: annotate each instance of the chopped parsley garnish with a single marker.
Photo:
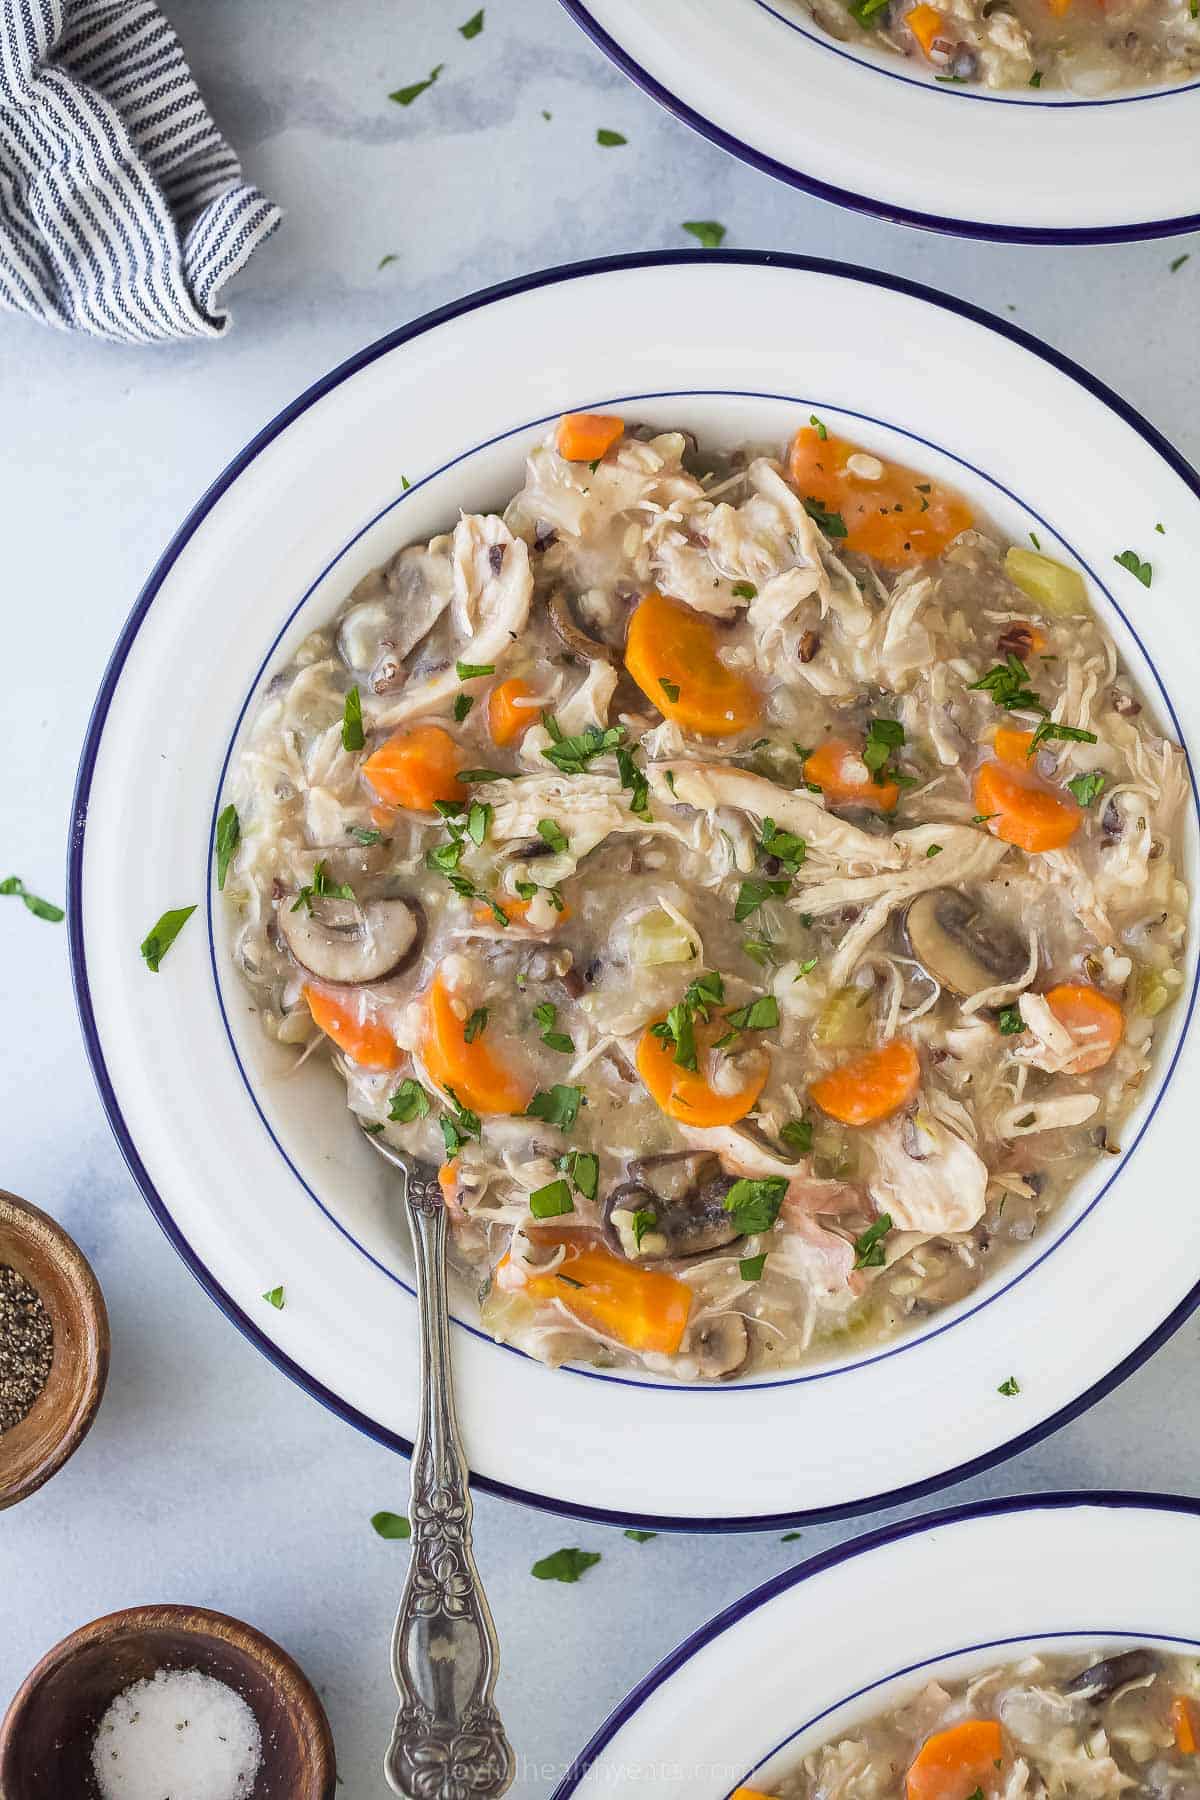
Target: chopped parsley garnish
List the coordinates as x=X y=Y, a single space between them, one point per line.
x=582 y=1169
x=789 y=1537
x=565 y=1565
x=744 y=590
x=867 y=12
x=1071 y=734
x=352 y=725
x=797 y=1134
x=982 y=818
x=750 y=1268
x=545 y=1015
x=1087 y=788
x=633 y=779
x=158 y=939
x=831 y=523
x=1177 y=263
x=468 y=671
x=934 y=850
x=442 y=858
x=678 y=1027
x=321 y=888
x=560 y=1106
x=391 y=1525
x=1009 y=1387
x=669 y=688
x=1142 y=571
x=1035 y=80
x=642 y=1221
x=755 y=1204
x=406 y=95
x=479 y=820
x=571 y=755
x=474 y=776
x=787 y=846
x=457 y=1129
x=760 y=950
x=229 y=831
x=409 y=1102
x=275 y=1297
x=552 y=834
x=1007 y=685
x=706 y=232
x=869 y=1252
x=757 y=1015
x=805 y=968
x=818 y=427
x=476 y=1024
x=551 y=1201
x=1009 y=1021
x=883 y=736
x=41 y=909
x=609 y=139
x=469 y=891
x=640 y=1537
x=462 y=706
x=364 y=837
x=473 y=26
x=383 y=262
x=753 y=892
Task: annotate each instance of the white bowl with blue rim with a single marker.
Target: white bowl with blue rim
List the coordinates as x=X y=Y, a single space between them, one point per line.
x=814 y=1654
x=257 y=1174
x=871 y=130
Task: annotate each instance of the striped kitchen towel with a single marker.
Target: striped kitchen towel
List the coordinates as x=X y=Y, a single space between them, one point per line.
x=122 y=208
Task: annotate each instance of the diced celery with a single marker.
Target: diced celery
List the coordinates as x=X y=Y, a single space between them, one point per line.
x=845 y=1019
x=1153 y=992
x=658 y=938
x=1051 y=585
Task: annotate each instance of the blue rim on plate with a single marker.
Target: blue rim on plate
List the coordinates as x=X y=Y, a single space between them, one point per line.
x=74 y=883
x=866 y=203
x=831 y=1559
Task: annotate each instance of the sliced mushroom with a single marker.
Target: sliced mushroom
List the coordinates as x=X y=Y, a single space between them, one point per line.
x=684 y=1194
x=340 y=941
x=577 y=641
x=1102 y=1680
x=961 y=944
x=721 y=1346
x=378 y=633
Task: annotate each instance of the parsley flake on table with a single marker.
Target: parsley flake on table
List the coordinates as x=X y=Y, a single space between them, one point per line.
x=391 y=1525
x=158 y=939
x=473 y=26
x=229 y=832
x=706 y=232
x=1009 y=1387
x=610 y=139
x=352 y=721
x=46 y=909
x=406 y=95
x=1141 y=571
x=565 y=1565
x=789 y=1537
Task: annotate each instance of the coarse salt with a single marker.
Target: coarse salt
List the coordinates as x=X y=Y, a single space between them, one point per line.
x=180 y=1736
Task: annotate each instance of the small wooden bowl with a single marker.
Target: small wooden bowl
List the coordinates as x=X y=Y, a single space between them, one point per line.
x=46 y=1737
x=61 y=1416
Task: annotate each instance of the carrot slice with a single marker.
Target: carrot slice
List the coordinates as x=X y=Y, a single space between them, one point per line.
x=952 y=1764
x=508 y=717
x=644 y=1309
x=1187 y=1731
x=415 y=768
x=364 y=1041
x=870 y=1086
x=745 y=1793
x=686 y=1094
x=1012 y=746
x=900 y=517
x=584 y=437
x=1022 y=811
x=1093 y=1019
x=516 y=910
x=482 y=1081
x=924 y=22
x=837 y=768
x=671 y=652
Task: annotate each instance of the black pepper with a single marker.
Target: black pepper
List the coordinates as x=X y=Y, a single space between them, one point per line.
x=26 y=1347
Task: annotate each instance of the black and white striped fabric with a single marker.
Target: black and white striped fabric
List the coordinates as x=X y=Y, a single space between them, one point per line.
x=122 y=209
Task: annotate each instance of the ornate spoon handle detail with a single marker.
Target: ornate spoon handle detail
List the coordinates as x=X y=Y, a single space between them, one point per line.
x=448 y=1742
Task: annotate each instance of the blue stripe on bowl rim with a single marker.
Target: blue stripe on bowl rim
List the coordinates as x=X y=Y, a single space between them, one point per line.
x=1115 y=1499
x=343 y=371
x=805 y=404
x=893 y=213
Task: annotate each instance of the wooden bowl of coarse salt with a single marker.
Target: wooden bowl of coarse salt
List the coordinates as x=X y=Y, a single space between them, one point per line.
x=166 y=1700
x=54 y=1345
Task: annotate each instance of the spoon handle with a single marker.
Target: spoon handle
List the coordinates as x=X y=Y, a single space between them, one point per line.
x=448 y=1739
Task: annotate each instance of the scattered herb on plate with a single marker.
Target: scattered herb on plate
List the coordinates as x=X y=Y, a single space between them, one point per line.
x=46 y=909
x=565 y=1565
x=160 y=937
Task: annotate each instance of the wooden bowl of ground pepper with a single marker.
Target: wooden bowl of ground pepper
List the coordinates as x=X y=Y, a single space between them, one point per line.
x=54 y=1347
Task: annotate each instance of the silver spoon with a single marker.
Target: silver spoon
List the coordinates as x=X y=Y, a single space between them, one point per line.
x=447 y=1738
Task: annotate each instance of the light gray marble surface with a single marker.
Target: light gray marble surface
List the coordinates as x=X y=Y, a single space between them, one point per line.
x=208 y=1477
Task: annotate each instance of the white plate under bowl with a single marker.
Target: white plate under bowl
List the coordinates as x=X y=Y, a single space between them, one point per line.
x=879 y=133
x=261 y=1179
x=820 y=1650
